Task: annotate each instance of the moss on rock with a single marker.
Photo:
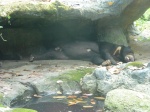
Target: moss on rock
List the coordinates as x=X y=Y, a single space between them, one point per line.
x=28 y=9
x=1 y=99
x=135 y=64
x=75 y=75
x=23 y=110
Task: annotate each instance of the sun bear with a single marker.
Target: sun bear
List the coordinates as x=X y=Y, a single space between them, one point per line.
x=78 y=50
x=97 y=53
x=116 y=53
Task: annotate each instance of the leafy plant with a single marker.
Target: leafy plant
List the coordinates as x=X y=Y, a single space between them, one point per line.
x=141 y=23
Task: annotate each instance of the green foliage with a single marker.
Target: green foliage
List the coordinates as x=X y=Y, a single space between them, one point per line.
x=9 y=17
x=146 y=15
x=23 y=110
x=142 y=21
x=75 y=75
x=135 y=64
x=140 y=38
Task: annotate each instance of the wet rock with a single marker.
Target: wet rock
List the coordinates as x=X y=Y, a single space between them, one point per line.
x=123 y=100
x=70 y=87
x=17 y=92
x=51 y=84
x=88 y=84
x=46 y=86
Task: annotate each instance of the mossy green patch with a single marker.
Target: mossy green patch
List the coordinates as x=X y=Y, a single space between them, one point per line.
x=75 y=75
x=2 y=105
x=23 y=110
x=28 y=9
x=135 y=64
x=1 y=96
x=1 y=99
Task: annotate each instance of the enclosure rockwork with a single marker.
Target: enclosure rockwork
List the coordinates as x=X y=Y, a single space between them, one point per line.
x=34 y=24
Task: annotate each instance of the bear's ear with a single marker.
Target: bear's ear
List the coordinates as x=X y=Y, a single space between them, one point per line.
x=129 y=58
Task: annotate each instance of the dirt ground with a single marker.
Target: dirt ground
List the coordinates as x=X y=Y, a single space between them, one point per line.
x=54 y=64
x=140 y=44
x=141 y=50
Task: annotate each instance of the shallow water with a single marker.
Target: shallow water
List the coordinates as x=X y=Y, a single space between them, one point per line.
x=68 y=105
x=60 y=107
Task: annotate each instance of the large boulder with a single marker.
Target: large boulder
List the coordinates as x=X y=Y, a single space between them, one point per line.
x=123 y=100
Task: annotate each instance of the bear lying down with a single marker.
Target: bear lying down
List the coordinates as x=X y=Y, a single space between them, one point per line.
x=101 y=53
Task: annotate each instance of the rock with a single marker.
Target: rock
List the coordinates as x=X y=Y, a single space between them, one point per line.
x=3 y=109
x=100 y=73
x=107 y=79
x=113 y=81
x=144 y=88
x=148 y=65
x=88 y=84
x=20 y=85
x=62 y=9
x=133 y=30
x=32 y=82
x=17 y=87
x=19 y=92
x=123 y=100
x=142 y=76
x=71 y=87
